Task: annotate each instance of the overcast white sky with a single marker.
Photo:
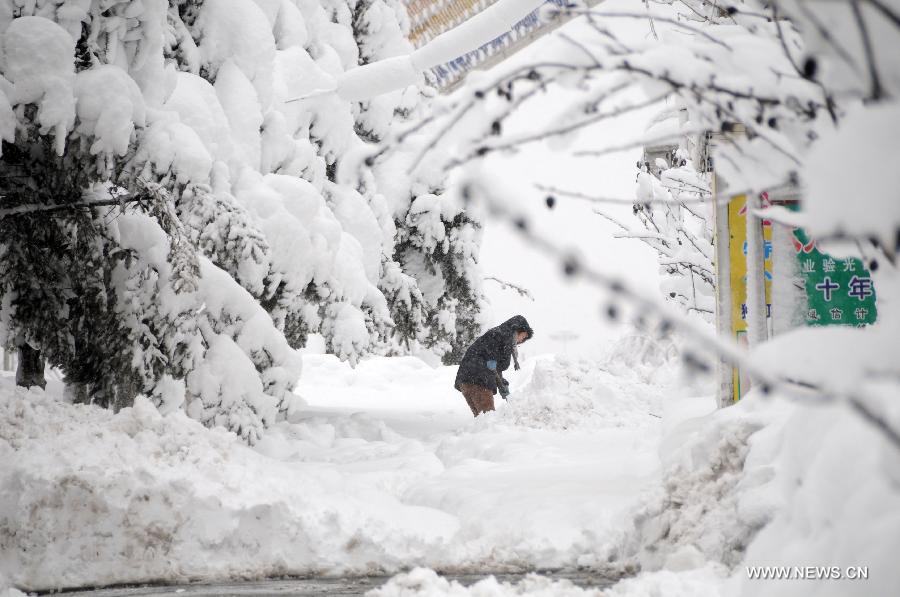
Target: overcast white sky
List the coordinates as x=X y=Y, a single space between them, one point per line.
x=559 y=304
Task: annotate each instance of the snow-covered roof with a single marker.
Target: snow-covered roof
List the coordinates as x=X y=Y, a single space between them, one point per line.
x=431 y=18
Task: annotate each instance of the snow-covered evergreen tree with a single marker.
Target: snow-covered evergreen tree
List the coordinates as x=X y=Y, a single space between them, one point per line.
x=431 y=279
x=78 y=284
x=437 y=245
x=250 y=213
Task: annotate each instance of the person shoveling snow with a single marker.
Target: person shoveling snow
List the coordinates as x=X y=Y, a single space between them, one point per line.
x=480 y=373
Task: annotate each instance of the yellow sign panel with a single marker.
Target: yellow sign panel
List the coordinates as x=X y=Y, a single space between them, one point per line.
x=737 y=256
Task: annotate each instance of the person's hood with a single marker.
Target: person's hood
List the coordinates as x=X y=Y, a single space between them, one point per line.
x=516 y=324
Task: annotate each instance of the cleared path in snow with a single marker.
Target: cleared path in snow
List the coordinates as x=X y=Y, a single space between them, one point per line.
x=546 y=481
x=384 y=471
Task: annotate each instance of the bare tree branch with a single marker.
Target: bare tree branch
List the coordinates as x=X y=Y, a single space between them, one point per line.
x=44 y=208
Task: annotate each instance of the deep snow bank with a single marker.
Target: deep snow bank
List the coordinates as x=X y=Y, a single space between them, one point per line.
x=563 y=394
x=788 y=483
x=92 y=497
x=384 y=470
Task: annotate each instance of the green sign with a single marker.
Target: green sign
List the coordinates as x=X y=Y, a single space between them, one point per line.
x=838 y=291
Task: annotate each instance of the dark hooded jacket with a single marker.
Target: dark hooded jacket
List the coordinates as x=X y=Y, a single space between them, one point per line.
x=497 y=344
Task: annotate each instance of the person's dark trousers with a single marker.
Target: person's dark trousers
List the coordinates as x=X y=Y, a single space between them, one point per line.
x=480 y=399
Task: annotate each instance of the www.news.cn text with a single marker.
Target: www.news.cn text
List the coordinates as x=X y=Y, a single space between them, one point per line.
x=808 y=572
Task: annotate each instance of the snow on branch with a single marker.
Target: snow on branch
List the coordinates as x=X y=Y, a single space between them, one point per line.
x=88 y=204
x=520 y=290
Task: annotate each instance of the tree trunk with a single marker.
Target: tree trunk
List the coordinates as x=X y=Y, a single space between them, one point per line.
x=30 y=371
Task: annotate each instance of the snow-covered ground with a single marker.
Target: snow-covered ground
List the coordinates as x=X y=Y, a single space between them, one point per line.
x=386 y=470
x=618 y=466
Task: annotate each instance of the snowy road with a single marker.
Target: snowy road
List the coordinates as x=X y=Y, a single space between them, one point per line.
x=385 y=470
x=339 y=587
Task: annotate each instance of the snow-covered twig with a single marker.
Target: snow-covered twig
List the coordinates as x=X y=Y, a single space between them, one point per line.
x=567 y=129
x=637 y=15
x=625 y=201
x=522 y=291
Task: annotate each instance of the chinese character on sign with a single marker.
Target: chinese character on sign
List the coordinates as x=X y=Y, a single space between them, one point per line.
x=861 y=313
x=808 y=266
x=849 y=265
x=836 y=314
x=800 y=246
x=743 y=310
x=813 y=315
x=860 y=288
x=827 y=287
x=828 y=265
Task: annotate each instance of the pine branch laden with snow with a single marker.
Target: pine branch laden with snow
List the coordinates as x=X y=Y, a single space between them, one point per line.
x=219 y=191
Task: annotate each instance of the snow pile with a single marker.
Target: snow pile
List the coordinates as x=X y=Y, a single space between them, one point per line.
x=829 y=488
x=577 y=394
x=694 y=516
x=7 y=591
x=653 y=359
x=787 y=483
x=384 y=469
x=829 y=473
x=137 y=497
